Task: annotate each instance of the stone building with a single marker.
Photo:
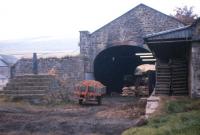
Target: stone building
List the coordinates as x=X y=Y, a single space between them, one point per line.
x=108 y=54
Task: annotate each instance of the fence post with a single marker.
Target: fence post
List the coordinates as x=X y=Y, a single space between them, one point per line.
x=12 y=71
x=35 y=64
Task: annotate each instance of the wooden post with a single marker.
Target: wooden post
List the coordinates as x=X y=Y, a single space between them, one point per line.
x=35 y=64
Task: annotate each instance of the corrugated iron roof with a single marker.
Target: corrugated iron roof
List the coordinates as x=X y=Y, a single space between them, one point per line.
x=178 y=33
x=3 y=77
x=7 y=60
x=3 y=64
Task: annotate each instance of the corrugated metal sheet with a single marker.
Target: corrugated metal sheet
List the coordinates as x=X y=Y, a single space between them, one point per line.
x=3 y=77
x=179 y=33
x=3 y=64
x=8 y=59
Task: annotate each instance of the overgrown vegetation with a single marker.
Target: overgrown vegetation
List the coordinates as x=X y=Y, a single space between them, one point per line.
x=185 y=14
x=181 y=117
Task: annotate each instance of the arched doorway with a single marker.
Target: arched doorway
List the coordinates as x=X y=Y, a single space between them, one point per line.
x=113 y=64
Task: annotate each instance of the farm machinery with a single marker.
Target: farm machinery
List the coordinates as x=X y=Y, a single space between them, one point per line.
x=90 y=90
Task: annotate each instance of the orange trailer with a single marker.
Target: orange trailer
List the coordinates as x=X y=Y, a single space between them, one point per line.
x=90 y=90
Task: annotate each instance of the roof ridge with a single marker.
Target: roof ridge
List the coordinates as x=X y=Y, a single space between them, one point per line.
x=131 y=10
x=141 y=4
x=165 y=14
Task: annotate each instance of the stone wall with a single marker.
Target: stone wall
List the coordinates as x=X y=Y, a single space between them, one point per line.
x=128 y=29
x=195 y=70
x=69 y=70
x=194 y=76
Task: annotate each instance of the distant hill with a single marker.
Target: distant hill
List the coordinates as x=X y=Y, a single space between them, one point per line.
x=39 y=45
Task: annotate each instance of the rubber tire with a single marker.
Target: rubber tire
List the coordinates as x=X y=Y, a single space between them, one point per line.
x=80 y=101
x=99 y=100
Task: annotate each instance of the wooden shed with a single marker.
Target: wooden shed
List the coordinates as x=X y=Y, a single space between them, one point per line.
x=177 y=53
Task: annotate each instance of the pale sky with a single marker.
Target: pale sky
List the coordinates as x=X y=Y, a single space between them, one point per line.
x=21 y=19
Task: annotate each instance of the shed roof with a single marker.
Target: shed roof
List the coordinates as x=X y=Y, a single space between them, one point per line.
x=178 y=33
x=6 y=60
x=3 y=64
x=3 y=77
x=183 y=33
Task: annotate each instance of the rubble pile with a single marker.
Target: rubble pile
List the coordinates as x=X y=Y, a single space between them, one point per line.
x=128 y=91
x=141 y=91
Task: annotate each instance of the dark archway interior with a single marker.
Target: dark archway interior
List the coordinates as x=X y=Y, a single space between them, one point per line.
x=112 y=64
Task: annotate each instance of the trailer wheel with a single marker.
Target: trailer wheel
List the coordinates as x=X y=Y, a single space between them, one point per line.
x=80 y=101
x=99 y=100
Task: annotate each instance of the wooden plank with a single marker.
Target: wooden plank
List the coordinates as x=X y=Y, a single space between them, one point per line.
x=163 y=74
x=179 y=81
x=162 y=89
x=179 y=88
x=179 y=78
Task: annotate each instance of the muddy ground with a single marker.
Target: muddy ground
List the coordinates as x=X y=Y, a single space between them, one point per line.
x=111 y=118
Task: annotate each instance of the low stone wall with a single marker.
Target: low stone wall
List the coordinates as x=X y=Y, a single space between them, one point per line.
x=69 y=70
x=152 y=105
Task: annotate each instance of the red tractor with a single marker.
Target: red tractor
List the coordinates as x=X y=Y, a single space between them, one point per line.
x=90 y=90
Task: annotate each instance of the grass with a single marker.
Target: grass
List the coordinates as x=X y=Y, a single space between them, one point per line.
x=181 y=117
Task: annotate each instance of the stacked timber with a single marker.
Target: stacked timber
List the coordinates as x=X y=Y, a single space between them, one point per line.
x=179 y=77
x=171 y=78
x=163 y=79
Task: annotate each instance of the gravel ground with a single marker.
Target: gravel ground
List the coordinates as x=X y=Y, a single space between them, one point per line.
x=111 y=118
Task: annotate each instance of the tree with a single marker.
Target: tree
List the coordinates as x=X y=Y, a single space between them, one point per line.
x=185 y=14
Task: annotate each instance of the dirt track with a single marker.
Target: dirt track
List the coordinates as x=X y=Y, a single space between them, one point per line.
x=111 y=118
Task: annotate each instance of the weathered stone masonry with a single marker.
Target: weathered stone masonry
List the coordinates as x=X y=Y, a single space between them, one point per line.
x=195 y=61
x=69 y=69
x=195 y=70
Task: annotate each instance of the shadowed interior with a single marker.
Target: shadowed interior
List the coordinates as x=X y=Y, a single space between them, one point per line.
x=112 y=64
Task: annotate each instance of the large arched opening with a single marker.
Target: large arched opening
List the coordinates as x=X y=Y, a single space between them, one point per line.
x=113 y=64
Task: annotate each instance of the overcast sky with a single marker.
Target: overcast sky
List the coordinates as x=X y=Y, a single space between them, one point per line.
x=22 y=19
